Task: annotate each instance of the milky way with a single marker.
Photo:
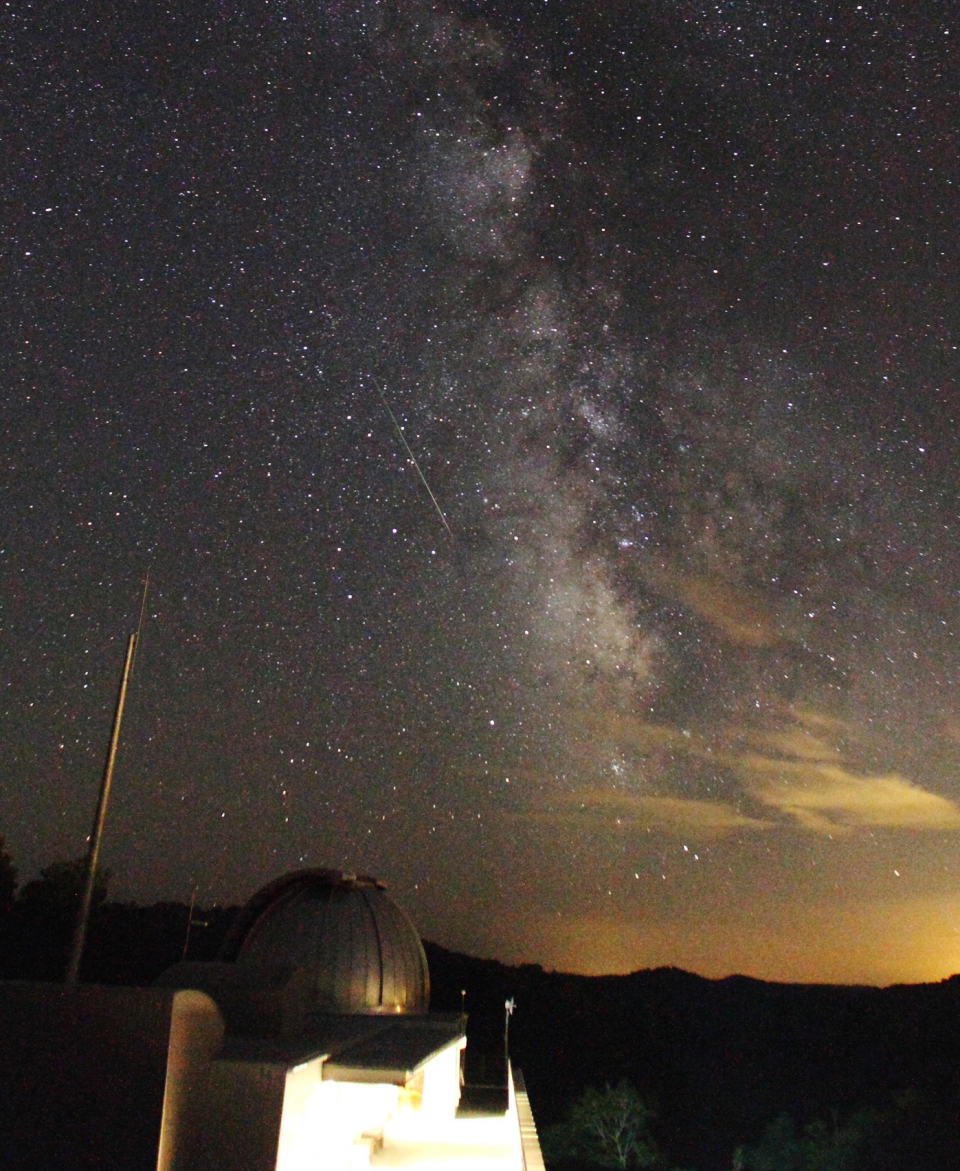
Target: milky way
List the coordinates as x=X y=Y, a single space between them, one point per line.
x=663 y=300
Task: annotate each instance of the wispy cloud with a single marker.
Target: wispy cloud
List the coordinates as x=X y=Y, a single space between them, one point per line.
x=666 y=813
x=802 y=772
x=797 y=743
x=828 y=799
x=741 y=617
x=825 y=723
x=630 y=732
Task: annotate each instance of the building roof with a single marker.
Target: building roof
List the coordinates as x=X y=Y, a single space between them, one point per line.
x=357 y=1049
x=395 y=1053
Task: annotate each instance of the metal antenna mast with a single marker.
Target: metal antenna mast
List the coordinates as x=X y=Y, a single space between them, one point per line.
x=83 y=915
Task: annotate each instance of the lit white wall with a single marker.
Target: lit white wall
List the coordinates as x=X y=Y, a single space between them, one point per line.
x=301 y=1124
x=480 y=1143
x=441 y=1083
x=196 y=1035
x=333 y=1125
x=324 y=1122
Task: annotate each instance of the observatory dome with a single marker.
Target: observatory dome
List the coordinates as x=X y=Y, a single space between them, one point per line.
x=353 y=949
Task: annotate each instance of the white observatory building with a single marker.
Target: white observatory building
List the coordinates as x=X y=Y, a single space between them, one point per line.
x=309 y=1046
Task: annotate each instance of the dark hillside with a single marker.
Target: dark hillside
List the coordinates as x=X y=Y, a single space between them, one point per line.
x=721 y=1058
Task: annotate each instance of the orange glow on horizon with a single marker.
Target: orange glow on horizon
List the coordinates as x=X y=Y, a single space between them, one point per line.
x=917 y=941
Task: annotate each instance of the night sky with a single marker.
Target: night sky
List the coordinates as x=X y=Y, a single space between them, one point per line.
x=664 y=296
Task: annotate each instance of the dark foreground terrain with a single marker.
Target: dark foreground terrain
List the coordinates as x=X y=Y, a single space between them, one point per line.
x=718 y=1059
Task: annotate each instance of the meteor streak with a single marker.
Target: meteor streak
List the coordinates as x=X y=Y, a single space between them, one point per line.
x=413 y=459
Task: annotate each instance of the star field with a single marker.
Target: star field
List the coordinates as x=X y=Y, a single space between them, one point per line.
x=663 y=297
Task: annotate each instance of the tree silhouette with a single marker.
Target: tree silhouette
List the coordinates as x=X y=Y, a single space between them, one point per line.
x=8 y=879
x=42 y=920
x=58 y=889
x=606 y=1128
x=819 y=1146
